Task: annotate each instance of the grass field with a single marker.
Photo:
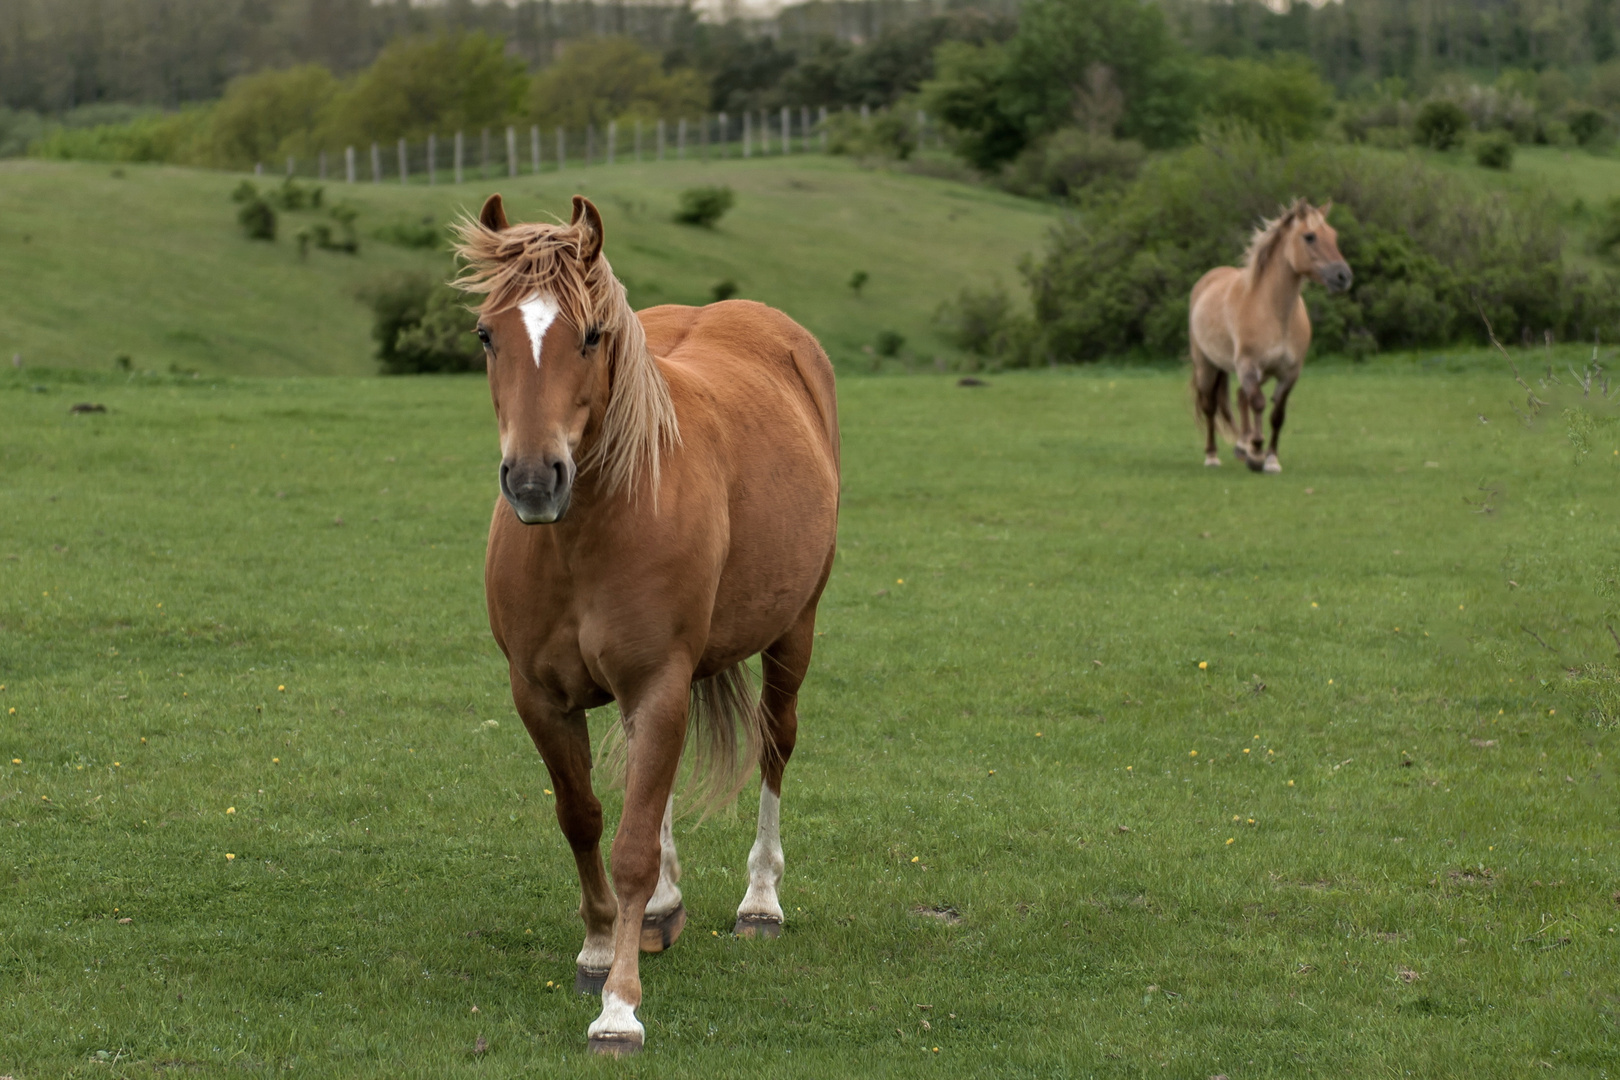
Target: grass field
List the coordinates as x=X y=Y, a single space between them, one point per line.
x=148 y=262
x=1028 y=831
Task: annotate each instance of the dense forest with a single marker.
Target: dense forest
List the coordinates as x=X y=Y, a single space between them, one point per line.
x=58 y=55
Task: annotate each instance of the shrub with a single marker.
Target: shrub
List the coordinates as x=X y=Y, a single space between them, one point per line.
x=704 y=206
x=858 y=280
x=889 y=342
x=341 y=235
x=1428 y=250
x=256 y=216
x=1606 y=235
x=723 y=290
x=1072 y=161
x=1495 y=151
x=1283 y=98
x=1587 y=126
x=420 y=326
x=410 y=234
x=1440 y=124
x=292 y=195
x=887 y=134
x=978 y=322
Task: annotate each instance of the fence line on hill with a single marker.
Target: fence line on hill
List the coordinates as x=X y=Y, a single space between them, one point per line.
x=493 y=153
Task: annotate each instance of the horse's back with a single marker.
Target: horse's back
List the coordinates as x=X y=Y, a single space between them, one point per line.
x=741 y=343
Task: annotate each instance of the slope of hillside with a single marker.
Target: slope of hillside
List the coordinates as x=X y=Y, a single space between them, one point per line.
x=148 y=262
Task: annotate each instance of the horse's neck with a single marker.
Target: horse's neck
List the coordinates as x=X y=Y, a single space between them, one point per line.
x=1276 y=288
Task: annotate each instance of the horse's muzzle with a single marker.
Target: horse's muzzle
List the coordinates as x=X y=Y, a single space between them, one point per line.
x=538 y=490
x=1337 y=276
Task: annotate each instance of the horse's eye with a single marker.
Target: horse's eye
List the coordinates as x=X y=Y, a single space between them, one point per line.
x=1310 y=238
x=483 y=336
x=593 y=336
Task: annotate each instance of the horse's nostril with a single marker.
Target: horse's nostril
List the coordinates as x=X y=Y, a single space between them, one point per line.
x=559 y=476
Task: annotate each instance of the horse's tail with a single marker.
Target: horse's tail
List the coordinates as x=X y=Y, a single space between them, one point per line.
x=726 y=733
x=724 y=705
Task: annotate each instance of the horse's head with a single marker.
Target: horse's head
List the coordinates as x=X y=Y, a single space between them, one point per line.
x=1313 y=247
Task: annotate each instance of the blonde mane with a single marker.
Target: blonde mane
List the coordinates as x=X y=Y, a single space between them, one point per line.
x=1268 y=237
x=515 y=263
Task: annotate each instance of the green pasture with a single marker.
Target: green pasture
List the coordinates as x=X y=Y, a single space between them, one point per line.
x=1029 y=832
x=148 y=262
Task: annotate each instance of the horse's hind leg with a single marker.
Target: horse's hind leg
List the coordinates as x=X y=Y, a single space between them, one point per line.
x=786 y=661
x=1207 y=385
x=666 y=915
x=564 y=743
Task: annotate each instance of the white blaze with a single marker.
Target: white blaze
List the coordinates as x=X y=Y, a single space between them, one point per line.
x=765 y=860
x=539 y=312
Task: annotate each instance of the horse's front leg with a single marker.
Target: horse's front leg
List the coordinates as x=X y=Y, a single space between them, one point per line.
x=655 y=729
x=1253 y=401
x=564 y=743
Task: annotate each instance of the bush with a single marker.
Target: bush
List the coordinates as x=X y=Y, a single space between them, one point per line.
x=704 y=206
x=979 y=322
x=1428 y=252
x=1587 y=126
x=1072 y=161
x=1606 y=235
x=1283 y=98
x=886 y=134
x=340 y=236
x=420 y=327
x=292 y=195
x=410 y=234
x=723 y=290
x=1440 y=124
x=890 y=342
x=1495 y=151
x=256 y=216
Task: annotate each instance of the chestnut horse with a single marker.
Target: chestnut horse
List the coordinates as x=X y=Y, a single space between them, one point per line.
x=1250 y=321
x=668 y=507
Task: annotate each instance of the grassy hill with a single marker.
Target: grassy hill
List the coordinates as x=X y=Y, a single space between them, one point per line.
x=148 y=261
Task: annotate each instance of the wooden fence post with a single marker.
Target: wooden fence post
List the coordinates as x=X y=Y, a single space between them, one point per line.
x=460 y=148
x=660 y=140
x=534 y=147
x=821 y=122
x=922 y=129
x=376 y=164
x=804 y=125
x=562 y=147
x=483 y=162
x=433 y=159
x=613 y=139
x=680 y=139
x=748 y=133
x=258 y=168
x=787 y=131
x=404 y=163
x=590 y=142
x=291 y=164
x=511 y=150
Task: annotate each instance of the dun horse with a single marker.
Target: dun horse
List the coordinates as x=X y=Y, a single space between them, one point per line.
x=668 y=504
x=1250 y=321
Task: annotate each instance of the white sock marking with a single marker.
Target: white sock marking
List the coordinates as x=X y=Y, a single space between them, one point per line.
x=539 y=312
x=667 y=897
x=597 y=954
x=765 y=860
x=618 y=1018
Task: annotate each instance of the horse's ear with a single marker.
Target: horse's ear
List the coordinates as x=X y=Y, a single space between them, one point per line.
x=590 y=224
x=493 y=215
x=1325 y=208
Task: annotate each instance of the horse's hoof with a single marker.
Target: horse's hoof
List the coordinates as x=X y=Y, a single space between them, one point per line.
x=658 y=932
x=1254 y=462
x=1239 y=453
x=765 y=926
x=1272 y=464
x=587 y=981
x=615 y=1045
x=1212 y=461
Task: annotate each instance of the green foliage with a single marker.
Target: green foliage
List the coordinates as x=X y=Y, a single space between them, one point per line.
x=858 y=280
x=888 y=133
x=1069 y=162
x=724 y=289
x=889 y=343
x=1111 y=65
x=705 y=206
x=411 y=233
x=338 y=234
x=979 y=321
x=256 y=216
x=271 y=114
x=1588 y=126
x=429 y=84
x=1440 y=124
x=19 y=128
x=1606 y=234
x=612 y=78
x=290 y=194
x=422 y=326
x=1281 y=98
x=1428 y=250
x=1494 y=151
x=177 y=138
